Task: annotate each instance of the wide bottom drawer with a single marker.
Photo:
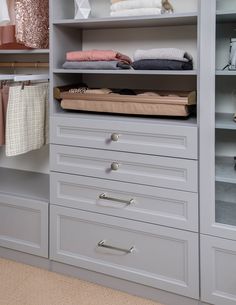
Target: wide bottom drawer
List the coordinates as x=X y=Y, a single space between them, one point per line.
x=24 y=225
x=151 y=255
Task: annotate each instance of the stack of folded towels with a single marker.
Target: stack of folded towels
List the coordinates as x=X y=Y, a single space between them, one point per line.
x=122 y=8
x=97 y=60
x=162 y=59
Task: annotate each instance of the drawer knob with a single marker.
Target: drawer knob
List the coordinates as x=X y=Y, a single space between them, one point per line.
x=115 y=166
x=115 y=137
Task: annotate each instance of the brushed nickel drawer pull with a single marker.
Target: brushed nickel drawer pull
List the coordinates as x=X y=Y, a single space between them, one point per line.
x=115 y=137
x=102 y=244
x=115 y=166
x=105 y=197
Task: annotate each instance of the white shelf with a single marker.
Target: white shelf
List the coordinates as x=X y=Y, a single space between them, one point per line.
x=24 y=184
x=225 y=16
x=225 y=121
x=225 y=171
x=126 y=72
x=225 y=73
x=130 y=22
x=226 y=213
x=38 y=51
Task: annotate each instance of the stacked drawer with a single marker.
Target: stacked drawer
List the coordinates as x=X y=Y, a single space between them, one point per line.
x=124 y=199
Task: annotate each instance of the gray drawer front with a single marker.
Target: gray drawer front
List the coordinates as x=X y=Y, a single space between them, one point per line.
x=24 y=225
x=147 y=138
x=163 y=258
x=138 y=202
x=141 y=169
x=218 y=268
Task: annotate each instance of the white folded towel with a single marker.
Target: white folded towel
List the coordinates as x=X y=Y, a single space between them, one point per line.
x=163 y=53
x=133 y=4
x=137 y=12
x=4 y=13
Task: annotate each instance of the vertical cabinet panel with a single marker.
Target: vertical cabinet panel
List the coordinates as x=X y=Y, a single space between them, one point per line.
x=24 y=225
x=218 y=271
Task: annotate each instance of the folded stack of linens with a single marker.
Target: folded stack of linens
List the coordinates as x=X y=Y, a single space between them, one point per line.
x=97 y=60
x=162 y=59
x=124 y=8
x=134 y=102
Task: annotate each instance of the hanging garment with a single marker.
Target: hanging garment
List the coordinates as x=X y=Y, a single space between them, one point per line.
x=27 y=119
x=4 y=13
x=32 y=23
x=4 y=92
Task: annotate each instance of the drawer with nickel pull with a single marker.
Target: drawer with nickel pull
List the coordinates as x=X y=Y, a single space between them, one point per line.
x=144 y=136
x=163 y=172
x=152 y=255
x=138 y=202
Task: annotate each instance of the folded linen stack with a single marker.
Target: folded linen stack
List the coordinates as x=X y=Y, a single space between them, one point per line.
x=97 y=60
x=162 y=59
x=123 y=8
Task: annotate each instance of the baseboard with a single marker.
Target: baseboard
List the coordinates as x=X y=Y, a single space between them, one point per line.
x=160 y=296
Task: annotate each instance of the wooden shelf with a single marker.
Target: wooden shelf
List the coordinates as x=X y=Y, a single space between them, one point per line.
x=130 y=22
x=225 y=121
x=225 y=171
x=225 y=73
x=126 y=72
x=226 y=213
x=38 y=51
x=24 y=184
x=226 y=16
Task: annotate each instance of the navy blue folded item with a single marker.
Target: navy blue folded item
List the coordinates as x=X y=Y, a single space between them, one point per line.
x=162 y=64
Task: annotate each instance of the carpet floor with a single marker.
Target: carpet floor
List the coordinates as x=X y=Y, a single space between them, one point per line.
x=25 y=285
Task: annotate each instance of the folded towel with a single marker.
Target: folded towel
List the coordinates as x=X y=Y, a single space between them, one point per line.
x=115 y=1
x=133 y=4
x=26 y=123
x=137 y=12
x=163 y=53
x=162 y=64
x=97 y=55
x=96 y=65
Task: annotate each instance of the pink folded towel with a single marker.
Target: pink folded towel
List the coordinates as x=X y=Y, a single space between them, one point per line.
x=97 y=55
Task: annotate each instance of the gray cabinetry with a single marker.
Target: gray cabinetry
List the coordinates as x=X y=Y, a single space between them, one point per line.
x=218 y=269
x=151 y=255
x=24 y=225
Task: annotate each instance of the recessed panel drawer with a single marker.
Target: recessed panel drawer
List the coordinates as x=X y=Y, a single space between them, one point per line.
x=24 y=225
x=138 y=202
x=151 y=255
x=146 y=136
x=135 y=168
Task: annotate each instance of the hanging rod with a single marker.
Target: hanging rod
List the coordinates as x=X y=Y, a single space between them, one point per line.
x=24 y=65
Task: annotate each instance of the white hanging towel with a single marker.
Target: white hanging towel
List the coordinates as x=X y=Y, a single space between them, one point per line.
x=4 y=13
x=27 y=119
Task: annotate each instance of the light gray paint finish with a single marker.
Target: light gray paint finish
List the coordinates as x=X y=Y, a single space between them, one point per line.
x=166 y=298
x=218 y=268
x=134 y=168
x=24 y=225
x=163 y=258
x=152 y=205
x=148 y=138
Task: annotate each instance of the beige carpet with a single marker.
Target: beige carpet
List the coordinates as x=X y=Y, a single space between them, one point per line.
x=26 y=285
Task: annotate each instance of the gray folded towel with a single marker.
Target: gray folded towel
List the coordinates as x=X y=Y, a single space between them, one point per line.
x=95 y=65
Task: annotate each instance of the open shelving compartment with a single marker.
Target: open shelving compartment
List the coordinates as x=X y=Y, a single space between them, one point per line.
x=225 y=132
x=125 y=35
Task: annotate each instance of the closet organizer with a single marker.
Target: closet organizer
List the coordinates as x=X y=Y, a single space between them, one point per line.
x=24 y=157
x=138 y=203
